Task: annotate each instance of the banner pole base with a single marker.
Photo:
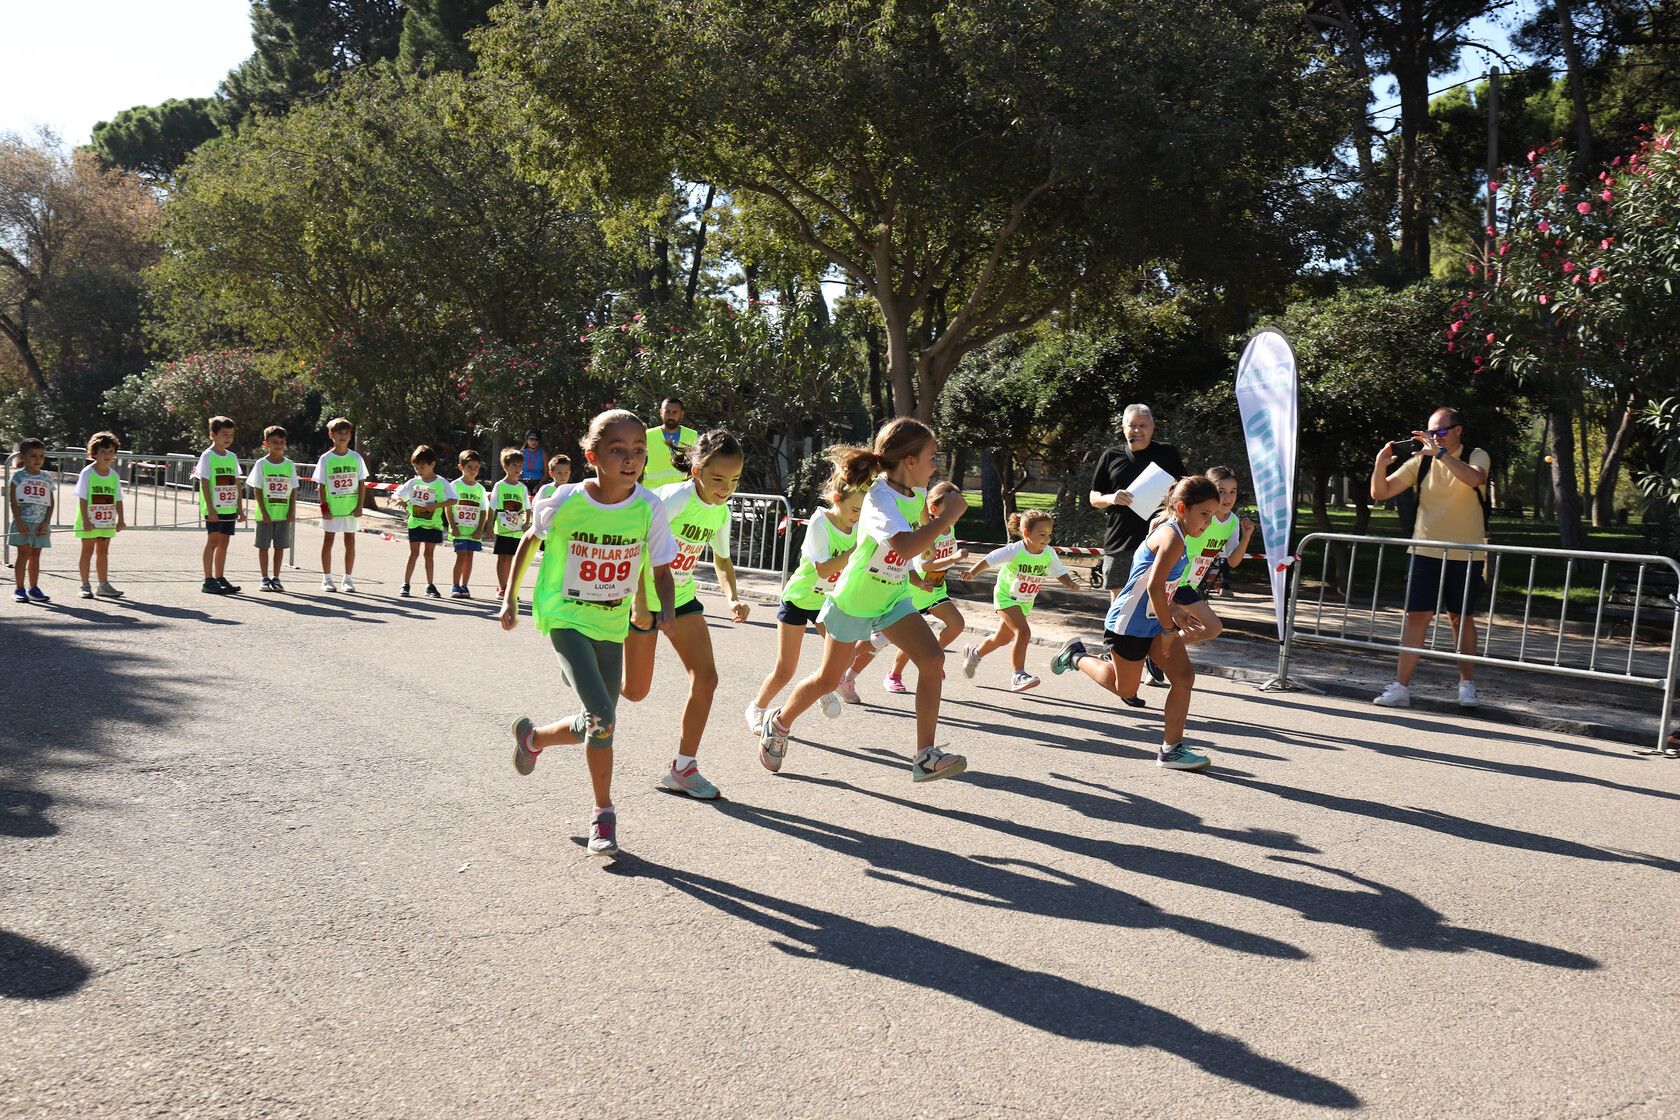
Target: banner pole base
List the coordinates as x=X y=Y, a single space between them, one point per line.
x=1288 y=684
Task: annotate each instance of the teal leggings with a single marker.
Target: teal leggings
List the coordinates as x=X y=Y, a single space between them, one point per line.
x=594 y=670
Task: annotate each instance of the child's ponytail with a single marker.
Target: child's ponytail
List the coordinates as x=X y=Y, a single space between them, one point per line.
x=1022 y=523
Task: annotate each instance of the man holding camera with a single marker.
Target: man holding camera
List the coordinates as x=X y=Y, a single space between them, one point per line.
x=1449 y=485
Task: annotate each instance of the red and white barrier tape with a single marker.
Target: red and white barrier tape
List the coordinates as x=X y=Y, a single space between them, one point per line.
x=1061 y=550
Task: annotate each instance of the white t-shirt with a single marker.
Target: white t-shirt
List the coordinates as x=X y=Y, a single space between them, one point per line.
x=676 y=498
x=881 y=519
x=320 y=475
x=661 y=546
x=209 y=455
x=998 y=557
x=439 y=486
x=815 y=549
x=82 y=490
x=34 y=493
x=285 y=482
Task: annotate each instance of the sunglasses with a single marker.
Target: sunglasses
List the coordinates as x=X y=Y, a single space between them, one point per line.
x=1439 y=432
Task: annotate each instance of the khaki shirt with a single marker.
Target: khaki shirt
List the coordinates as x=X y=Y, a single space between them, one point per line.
x=1448 y=509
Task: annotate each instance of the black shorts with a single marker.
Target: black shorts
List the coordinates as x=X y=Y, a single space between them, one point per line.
x=797 y=616
x=1186 y=596
x=693 y=606
x=1115 y=569
x=419 y=534
x=1127 y=647
x=223 y=525
x=506 y=546
x=1429 y=573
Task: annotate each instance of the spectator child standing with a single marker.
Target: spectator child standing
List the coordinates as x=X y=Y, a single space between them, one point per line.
x=511 y=504
x=428 y=500
x=469 y=520
x=342 y=475
x=31 y=496
x=220 y=504
x=99 y=512
x=273 y=479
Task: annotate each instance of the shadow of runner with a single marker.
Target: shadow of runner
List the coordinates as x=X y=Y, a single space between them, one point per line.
x=990 y=881
x=23 y=813
x=31 y=970
x=1041 y=1000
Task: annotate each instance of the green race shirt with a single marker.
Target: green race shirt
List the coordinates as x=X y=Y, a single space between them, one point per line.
x=1021 y=573
x=341 y=478
x=936 y=558
x=588 y=579
x=807 y=588
x=221 y=470
x=695 y=525
x=509 y=501
x=436 y=492
x=1204 y=550
x=274 y=483
x=874 y=579
x=466 y=517
x=104 y=500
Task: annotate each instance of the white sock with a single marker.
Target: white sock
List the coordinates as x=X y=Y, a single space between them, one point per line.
x=848 y=675
x=599 y=809
x=683 y=762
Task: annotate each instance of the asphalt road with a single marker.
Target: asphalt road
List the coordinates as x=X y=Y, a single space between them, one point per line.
x=267 y=857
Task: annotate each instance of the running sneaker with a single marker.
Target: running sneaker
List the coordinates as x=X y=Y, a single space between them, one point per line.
x=755 y=718
x=847 y=688
x=1396 y=695
x=405 y=592
x=524 y=758
x=36 y=595
x=690 y=782
x=831 y=705
x=1072 y=650
x=1156 y=677
x=971 y=661
x=87 y=591
x=894 y=683
x=1134 y=702
x=456 y=591
x=1467 y=697
x=933 y=764
x=432 y=591
x=465 y=592
x=603 y=834
x=772 y=742
x=1022 y=680
x=109 y=592
x=268 y=584
x=1180 y=758
x=227 y=588
x=210 y=587
x=879 y=640
x=275 y=585
x=20 y=596
x=349 y=584
x=327 y=584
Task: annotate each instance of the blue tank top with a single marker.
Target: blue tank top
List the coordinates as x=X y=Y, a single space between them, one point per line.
x=1132 y=612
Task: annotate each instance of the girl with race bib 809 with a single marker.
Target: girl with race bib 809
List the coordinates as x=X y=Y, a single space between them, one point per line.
x=873 y=593
x=601 y=530
x=697 y=512
x=1022 y=567
x=927 y=586
x=830 y=536
x=1144 y=621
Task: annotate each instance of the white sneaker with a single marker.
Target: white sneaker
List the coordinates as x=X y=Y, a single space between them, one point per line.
x=1022 y=680
x=831 y=705
x=1467 y=697
x=971 y=661
x=349 y=585
x=1396 y=695
x=755 y=719
x=327 y=584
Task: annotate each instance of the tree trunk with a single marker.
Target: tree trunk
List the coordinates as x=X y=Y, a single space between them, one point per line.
x=1586 y=445
x=1411 y=73
x=19 y=338
x=877 y=406
x=901 y=363
x=1361 y=510
x=1610 y=467
x=1539 y=463
x=700 y=245
x=1577 y=89
x=959 y=466
x=992 y=511
x=1565 y=488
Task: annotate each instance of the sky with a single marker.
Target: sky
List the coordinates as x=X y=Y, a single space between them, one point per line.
x=69 y=64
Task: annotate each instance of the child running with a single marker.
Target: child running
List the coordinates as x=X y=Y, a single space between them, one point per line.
x=927 y=587
x=99 y=512
x=1133 y=628
x=1221 y=544
x=873 y=594
x=428 y=499
x=342 y=476
x=830 y=535
x=1022 y=569
x=220 y=504
x=273 y=479
x=31 y=498
x=601 y=530
x=469 y=520
x=697 y=512
x=511 y=503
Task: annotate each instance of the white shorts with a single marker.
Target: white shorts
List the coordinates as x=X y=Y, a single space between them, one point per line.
x=340 y=524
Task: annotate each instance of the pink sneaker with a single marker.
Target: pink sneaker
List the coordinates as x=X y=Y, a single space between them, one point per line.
x=894 y=683
x=847 y=688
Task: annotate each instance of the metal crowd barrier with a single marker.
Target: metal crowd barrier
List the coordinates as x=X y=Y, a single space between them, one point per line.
x=755 y=542
x=1643 y=586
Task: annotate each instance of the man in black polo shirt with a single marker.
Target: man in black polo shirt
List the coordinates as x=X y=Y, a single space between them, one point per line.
x=1117 y=467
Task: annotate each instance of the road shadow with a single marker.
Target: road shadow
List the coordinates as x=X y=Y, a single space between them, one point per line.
x=30 y=969
x=23 y=814
x=1009 y=884
x=1129 y=720
x=1039 y=1000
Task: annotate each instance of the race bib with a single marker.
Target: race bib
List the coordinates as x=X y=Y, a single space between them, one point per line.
x=688 y=555
x=279 y=487
x=33 y=490
x=888 y=565
x=225 y=495
x=466 y=515
x=1149 y=602
x=1026 y=587
x=601 y=573
x=509 y=518
x=341 y=483
x=102 y=510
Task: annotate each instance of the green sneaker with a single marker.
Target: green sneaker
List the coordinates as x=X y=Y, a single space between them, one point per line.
x=1072 y=650
x=933 y=764
x=1179 y=758
x=524 y=758
x=689 y=782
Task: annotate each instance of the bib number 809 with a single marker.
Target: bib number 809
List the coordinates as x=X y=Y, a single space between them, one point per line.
x=605 y=571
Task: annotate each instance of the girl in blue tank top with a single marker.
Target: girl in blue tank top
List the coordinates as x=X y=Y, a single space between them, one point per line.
x=1145 y=622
